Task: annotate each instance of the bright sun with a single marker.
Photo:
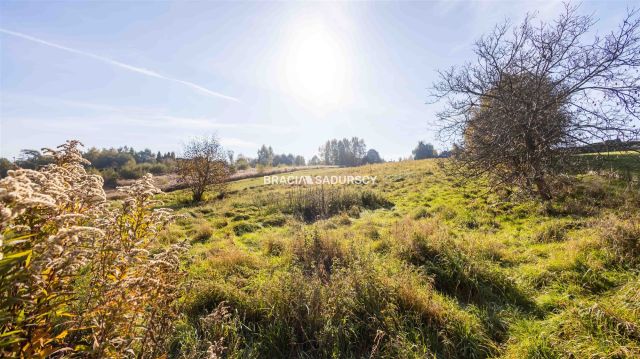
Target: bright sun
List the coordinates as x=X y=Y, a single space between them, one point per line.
x=315 y=66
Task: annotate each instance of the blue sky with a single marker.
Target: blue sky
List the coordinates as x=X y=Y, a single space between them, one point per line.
x=291 y=75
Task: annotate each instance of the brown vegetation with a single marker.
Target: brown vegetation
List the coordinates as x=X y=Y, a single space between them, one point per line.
x=81 y=276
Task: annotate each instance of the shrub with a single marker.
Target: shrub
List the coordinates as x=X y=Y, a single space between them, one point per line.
x=110 y=177
x=131 y=172
x=153 y=168
x=203 y=167
x=79 y=276
x=242 y=164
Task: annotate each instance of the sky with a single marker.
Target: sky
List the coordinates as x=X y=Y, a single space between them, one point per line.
x=292 y=75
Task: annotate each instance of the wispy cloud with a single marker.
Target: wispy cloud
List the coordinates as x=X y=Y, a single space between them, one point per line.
x=119 y=64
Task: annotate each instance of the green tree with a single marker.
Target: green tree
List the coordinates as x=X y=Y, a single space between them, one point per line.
x=372 y=157
x=424 y=150
x=5 y=166
x=344 y=152
x=265 y=156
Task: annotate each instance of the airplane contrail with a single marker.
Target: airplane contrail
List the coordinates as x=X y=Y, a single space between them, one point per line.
x=122 y=65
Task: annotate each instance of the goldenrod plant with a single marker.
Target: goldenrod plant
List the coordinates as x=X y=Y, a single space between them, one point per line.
x=80 y=275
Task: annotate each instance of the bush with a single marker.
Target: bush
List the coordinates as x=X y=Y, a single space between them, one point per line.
x=153 y=168
x=81 y=276
x=131 y=171
x=318 y=254
x=242 y=164
x=273 y=247
x=110 y=177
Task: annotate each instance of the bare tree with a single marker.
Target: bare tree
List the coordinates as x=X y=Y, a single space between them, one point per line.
x=203 y=166
x=537 y=90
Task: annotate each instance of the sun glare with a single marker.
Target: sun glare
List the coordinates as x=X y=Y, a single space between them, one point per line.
x=315 y=66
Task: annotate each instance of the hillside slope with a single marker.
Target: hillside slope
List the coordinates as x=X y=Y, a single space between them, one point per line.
x=417 y=265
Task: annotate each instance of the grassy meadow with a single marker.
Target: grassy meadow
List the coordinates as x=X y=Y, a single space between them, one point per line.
x=420 y=264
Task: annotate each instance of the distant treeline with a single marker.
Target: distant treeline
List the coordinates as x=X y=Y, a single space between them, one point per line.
x=127 y=163
x=112 y=163
x=345 y=152
x=266 y=157
x=608 y=146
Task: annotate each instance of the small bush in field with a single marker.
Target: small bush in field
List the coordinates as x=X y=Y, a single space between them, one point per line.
x=80 y=277
x=203 y=167
x=154 y=168
x=110 y=177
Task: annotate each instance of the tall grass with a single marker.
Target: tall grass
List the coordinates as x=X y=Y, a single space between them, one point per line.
x=621 y=234
x=332 y=299
x=320 y=202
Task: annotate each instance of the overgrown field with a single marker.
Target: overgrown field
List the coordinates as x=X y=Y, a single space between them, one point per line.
x=417 y=265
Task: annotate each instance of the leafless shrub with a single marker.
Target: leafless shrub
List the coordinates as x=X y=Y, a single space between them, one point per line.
x=203 y=166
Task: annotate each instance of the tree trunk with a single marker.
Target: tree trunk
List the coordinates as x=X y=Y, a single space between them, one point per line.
x=543 y=188
x=197 y=195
